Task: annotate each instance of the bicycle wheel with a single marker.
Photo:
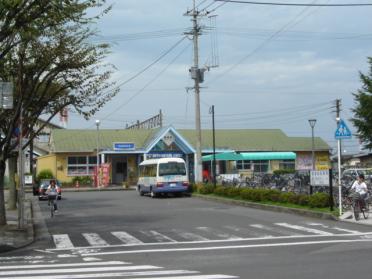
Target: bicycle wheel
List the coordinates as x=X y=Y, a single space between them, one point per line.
x=366 y=211
x=51 y=209
x=356 y=209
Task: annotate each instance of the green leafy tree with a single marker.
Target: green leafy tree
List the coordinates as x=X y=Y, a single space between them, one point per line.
x=51 y=69
x=363 y=108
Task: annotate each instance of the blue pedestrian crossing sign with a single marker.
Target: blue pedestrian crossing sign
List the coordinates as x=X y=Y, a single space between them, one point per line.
x=343 y=131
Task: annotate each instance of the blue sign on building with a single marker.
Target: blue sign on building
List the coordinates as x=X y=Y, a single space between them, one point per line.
x=119 y=146
x=343 y=131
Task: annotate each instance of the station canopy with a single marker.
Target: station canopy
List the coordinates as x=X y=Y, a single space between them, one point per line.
x=253 y=156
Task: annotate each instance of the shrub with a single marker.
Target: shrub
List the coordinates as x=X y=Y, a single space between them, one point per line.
x=287 y=197
x=83 y=180
x=319 y=200
x=272 y=195
x=303 y=199
x=232 y=192
x=246 y=194
x=45 y=174
x=220 y=190
x=205 y=189
x=256 y=195
x=284 y=171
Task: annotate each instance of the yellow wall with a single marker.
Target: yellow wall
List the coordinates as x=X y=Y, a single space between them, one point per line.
x=47 y=162
x=57 y=163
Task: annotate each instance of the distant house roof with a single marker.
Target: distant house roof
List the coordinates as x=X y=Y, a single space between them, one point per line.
x=244 y=140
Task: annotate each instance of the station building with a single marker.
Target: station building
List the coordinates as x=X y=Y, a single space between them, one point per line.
x=74 y=152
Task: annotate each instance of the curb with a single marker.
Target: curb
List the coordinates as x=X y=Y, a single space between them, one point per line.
x=302 y=212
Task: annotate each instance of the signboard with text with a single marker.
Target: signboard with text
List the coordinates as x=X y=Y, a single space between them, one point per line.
x=120 y=146
x=319 y=178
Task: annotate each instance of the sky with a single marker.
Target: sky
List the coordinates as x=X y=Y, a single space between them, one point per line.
x=277 y=66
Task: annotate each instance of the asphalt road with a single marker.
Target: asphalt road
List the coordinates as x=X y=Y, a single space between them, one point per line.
x=122 y=235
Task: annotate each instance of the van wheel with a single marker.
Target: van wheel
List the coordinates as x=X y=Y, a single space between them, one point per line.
x=139 y=191
x=152 y=194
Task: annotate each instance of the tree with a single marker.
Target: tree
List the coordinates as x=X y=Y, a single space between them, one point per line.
x=363 y=108
x=21 y=18
x=52 y=69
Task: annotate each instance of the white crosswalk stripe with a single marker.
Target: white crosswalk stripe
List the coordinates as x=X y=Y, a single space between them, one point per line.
x=158 y=236
x=111 y=269
x=304 y=229
x=62 y=241
x=94 y=239
x=229 y=233
x=126 y=238
x=222 y=235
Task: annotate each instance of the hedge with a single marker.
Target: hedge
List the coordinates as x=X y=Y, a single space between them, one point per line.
x=318 y=200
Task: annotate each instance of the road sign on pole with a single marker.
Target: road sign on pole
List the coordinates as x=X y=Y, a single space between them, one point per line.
x=342 y=131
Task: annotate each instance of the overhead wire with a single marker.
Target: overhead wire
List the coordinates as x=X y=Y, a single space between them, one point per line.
x=295 y=4
x=148 y=83
x=271 y=37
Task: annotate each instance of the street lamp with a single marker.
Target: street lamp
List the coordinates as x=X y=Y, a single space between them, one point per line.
x=312 y=125
x=97 y=163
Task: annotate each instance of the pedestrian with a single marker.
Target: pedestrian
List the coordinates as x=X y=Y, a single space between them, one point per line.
x=360 y=189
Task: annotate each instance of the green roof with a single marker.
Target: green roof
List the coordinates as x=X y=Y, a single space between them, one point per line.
x=232 y=156
x=254 y=140
x=243 y=140
x=86 y=140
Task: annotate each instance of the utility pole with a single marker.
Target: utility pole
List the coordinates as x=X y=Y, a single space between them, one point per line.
x=338 y=109
x=21 y=178
x=196 y=74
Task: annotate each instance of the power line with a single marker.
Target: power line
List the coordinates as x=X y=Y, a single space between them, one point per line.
x=295 y=20
x=148 y=83
x=296 y=4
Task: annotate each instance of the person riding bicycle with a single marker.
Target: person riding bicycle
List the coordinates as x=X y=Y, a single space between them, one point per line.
x=52 y=193
x=361 y=190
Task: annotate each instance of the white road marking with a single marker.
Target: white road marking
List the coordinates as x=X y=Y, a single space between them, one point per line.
x=272 y=229
x=219 y=234
x=144 y=273
x=334 y=228
x=82 y=251
x=127 y=238
x=192 y=236
x=158 y=236
x=230 y=247
x=250 y=232
x=62 y=241
x=91 y=259
x=78 y=270
x=304 y=229
x=63 y=265
x=94 y=239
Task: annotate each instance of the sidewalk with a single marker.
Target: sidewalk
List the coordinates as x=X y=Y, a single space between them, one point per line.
x=11 y=237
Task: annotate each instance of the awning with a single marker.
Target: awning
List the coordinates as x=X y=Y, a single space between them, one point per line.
x=254 y=156
x=228 y=156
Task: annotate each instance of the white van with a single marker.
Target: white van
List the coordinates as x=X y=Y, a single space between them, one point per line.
x=162 y=176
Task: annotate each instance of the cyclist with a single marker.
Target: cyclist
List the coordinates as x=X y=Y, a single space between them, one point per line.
x=52 y=193
x=361 y=190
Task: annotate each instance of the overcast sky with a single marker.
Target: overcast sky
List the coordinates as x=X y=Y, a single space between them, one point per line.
x=278 y=65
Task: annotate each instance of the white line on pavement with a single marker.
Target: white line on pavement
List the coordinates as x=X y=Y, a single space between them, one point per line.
x=127 y=238
x=335 y=228
x=304 y=229
x=77 y=270
x=122 y=274
x=158 y=236
x=230 y=247
x=218 y=241
x=63 y=265
x=62 y=241
x=192 y=237
x=219 y=234
x=94 y=239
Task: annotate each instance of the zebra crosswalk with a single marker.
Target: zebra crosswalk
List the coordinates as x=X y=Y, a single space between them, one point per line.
x=197 y=235
x=108 y=269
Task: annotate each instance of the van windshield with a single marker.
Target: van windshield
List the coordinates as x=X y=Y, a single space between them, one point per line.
x=172 y=168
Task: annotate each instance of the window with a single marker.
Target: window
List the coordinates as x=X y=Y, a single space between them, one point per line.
x=243 y=165
x=172 y=168
x=261 y=166
x=287 y=164
x=81 y=165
